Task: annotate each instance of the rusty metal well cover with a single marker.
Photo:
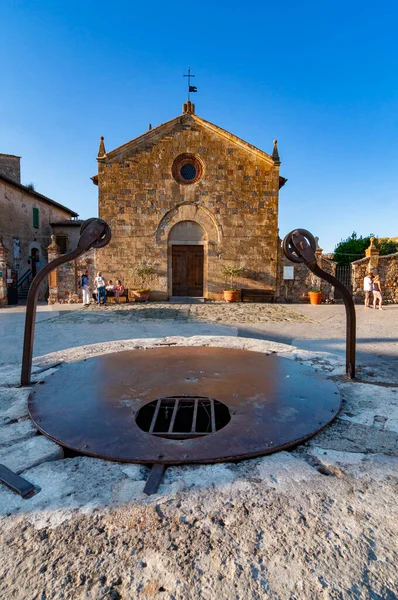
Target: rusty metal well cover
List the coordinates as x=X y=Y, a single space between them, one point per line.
x=211 y=405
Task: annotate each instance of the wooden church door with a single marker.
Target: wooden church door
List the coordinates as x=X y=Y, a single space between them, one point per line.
x=187 y=271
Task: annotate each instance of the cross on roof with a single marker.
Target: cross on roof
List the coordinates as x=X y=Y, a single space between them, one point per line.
x=191 y=88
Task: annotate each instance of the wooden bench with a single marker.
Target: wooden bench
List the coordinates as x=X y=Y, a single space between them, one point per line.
x=257 y=295
x=110 y=297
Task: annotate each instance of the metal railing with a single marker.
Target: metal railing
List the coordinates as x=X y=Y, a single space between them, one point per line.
x=24 y=277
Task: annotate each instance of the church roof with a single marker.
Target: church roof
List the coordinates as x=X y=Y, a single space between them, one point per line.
x=152 y=136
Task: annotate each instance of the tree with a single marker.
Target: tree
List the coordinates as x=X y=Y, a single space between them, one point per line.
x=353 y=248
x=231 y=273
x=386 y=246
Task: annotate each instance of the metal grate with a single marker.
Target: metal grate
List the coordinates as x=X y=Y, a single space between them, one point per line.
x=183 y=417
x=343 y=274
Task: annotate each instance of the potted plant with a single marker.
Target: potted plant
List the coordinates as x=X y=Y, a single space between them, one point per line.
x=231 y=292
x=315 y=296
x=144 y=273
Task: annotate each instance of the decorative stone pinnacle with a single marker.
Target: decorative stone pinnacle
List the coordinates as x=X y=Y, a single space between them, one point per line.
x=53 y=245
x=188 y=108
x=101 y=150
x=275 y=153
x=372 y=249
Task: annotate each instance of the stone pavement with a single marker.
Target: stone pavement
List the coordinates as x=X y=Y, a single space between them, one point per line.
x=317 y=522
x=319 y=328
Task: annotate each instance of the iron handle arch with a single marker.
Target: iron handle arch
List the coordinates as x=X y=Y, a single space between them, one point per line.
x=299 y=246
x=94 y=233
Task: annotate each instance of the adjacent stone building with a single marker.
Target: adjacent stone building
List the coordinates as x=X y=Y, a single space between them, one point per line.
x=189 y=197
x=25 y=223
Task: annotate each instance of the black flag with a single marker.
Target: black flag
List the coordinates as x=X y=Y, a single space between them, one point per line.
x=193 y=88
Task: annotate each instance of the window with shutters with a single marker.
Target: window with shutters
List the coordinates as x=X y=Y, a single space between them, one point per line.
x=36 y=218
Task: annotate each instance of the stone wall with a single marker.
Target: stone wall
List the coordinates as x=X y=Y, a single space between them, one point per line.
x=3 y=273
x=235 y=202
x=296 y=290
x=10 y=167
x=386 y=267
x=64 y=281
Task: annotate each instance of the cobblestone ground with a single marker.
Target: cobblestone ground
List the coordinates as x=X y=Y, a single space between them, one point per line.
x=214 y=312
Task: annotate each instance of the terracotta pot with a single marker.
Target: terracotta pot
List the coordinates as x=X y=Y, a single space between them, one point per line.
x=141 y=295
x=232 y=295
x=315 y=297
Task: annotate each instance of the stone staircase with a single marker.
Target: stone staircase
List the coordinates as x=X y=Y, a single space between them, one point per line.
x=23 y=288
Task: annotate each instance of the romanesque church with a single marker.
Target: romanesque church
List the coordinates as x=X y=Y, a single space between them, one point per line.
x=189 y=197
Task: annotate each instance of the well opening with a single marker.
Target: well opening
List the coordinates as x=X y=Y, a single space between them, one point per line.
x=183 y=417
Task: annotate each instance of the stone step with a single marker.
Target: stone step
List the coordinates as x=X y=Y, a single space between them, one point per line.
x=186 y=300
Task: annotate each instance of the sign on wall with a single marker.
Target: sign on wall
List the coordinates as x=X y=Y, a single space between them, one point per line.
x=288 y=272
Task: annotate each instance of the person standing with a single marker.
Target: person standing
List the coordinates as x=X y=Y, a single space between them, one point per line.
x=101 y=290
x=377 y=292
x=367 y=288
x=84 y=286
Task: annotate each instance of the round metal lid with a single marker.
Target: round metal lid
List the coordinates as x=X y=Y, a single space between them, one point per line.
x=90 y=406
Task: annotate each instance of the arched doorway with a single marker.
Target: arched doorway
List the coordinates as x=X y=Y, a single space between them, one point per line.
x=187 y=244
x=35 y=257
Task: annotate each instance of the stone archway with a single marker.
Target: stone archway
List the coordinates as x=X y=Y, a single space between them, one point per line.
x=187 y=259
x=192 y=236
x=35 y=257
x=189 y=212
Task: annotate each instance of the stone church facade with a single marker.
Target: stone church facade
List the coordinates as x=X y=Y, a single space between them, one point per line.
x=189 y=198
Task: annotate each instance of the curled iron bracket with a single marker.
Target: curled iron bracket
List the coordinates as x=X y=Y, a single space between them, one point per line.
x=94 y=233
x=299 y=247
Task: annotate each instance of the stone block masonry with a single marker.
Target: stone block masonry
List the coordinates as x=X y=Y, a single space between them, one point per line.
x=63 y=282
x=232 y=196
x=10 y=167
x=3 y=272
x=296 y=289
x=385 y=266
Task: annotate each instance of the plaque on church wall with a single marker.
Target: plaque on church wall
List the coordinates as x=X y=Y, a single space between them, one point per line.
x=288 y=272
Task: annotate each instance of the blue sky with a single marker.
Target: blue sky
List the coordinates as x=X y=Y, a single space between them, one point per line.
x=321 y=77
